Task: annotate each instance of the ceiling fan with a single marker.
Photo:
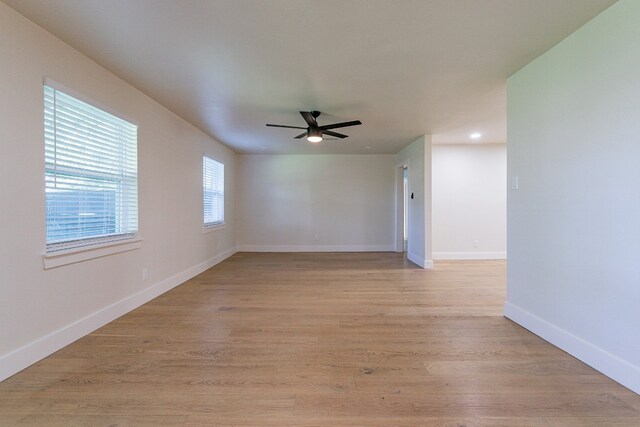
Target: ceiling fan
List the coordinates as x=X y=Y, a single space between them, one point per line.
x=314 y=132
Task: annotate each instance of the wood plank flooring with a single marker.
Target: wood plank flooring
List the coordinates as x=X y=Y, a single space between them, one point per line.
x=319 y=340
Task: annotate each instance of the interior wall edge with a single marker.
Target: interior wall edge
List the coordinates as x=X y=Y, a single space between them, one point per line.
x=615 y=368
x=25 y=356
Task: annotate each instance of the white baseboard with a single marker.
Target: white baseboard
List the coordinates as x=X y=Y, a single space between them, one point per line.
x=469 y=255
x=19 y=359
x=612 y=366
x=316 y=248
x=419 y=261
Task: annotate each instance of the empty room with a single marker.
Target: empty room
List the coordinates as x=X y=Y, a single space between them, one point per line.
x=320 y=213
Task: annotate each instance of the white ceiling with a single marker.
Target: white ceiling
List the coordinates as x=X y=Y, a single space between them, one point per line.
x=403 y=67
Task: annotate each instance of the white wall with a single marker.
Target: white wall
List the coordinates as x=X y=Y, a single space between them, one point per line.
x=316 y=202
x=574 y=222
x=469 y=201
x=42 y=310
x=417 y=156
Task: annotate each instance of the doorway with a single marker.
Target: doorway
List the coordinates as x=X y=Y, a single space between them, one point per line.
x=405 y=187
x=402 y=208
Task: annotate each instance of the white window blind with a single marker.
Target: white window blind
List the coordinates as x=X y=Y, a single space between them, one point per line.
x=91 y=177
x=213 y=191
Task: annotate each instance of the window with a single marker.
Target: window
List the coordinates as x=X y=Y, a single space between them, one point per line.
x=213 y=191
x=91 y=178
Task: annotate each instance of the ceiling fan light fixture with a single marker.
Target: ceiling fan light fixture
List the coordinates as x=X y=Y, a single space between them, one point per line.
x=314 y=135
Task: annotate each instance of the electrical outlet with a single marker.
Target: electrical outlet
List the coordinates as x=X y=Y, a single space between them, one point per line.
x=145 y=273
x=515 y=182
x=476 y=243
x=315 y=238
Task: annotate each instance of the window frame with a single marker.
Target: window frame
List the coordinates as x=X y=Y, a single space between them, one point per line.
x=215 y=225
x=64 y=252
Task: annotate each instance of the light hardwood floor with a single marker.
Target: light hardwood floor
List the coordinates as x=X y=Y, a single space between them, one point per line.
x=319 y=340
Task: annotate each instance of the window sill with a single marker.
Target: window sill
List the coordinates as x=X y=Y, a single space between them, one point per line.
x=71 y=256
x=213 y=228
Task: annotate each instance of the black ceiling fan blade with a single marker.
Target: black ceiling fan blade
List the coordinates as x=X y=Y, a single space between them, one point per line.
x=341 y=125
x=302 y=135
x=285 y=126
x=308 y=117
x=336 y=134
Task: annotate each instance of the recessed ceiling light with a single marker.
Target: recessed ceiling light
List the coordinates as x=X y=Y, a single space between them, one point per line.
x=475 y=135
